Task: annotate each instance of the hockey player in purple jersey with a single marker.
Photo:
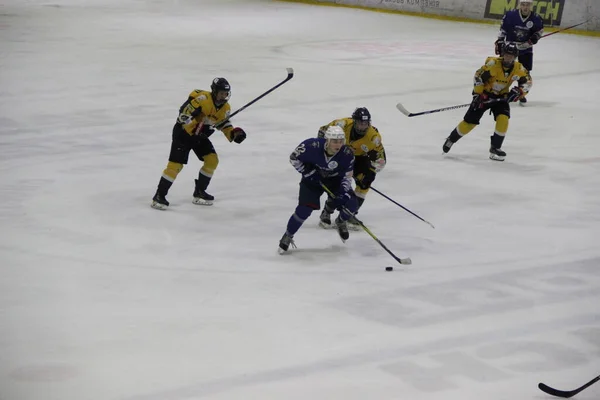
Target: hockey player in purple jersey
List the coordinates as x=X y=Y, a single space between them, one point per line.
x=523 y=27
x=322 y=162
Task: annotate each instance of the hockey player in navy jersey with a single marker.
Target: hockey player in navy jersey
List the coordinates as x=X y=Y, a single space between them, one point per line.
x=322 y=162
x=523 y=27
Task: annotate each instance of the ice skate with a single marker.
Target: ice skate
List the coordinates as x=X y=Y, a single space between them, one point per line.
x=202 y=198
x=447 y=145
x=342 y=228
x=159 y=202
x=497 y=154
x=285 y=243
x=325 y=220
x=353 y=224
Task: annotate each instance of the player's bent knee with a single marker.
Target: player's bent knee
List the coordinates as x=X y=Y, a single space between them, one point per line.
x=175 y=166
x=311 y=206
x=352 y=205
x=173 y=169
x=211 y=161
x=304 y=210
x=465 y=127
x=502 y=123
x=361 y=192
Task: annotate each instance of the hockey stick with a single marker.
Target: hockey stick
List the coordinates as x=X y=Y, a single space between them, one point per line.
x=290 y=75
x=404 y=111
x=566 y=393
x=564 y=29
x=404 y=261
x=401 y=206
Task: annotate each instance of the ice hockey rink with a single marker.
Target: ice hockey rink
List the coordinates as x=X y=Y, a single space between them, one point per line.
x=105 y=298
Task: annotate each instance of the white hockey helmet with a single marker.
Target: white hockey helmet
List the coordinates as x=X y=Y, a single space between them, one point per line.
x=335 y=132
x=526 y=7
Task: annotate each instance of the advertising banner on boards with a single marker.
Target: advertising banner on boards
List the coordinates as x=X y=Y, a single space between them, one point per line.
x=550 y=10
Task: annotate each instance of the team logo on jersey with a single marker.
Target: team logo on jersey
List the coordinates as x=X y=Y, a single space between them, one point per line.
x=549 y=10
x=364 y=148
x=529 y=24
x=377 y=140
x=332 y=165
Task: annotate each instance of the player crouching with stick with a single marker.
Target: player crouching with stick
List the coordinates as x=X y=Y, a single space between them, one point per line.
x=326 y=164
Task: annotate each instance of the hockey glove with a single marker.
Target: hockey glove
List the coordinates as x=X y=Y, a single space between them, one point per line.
x=499 y=47
x=378 y=165
x=203 y=131
x=479 y=100
x=364 y=181
x=535 y=38
x=342 y=199
x=238 y=135
x=515 y=94
x=311 y=173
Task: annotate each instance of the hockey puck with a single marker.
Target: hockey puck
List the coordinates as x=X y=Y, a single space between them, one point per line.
x=389 y=268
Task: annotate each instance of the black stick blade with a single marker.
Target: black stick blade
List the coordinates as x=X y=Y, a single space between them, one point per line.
x=566 y=393
x=555 y=392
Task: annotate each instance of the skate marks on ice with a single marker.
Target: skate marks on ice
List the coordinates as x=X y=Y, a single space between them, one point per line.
x=311 y=255
x=451 y=356
x=518 y=294
x=383 y=52
x=496 y=362
x=513 y=291
x=481 y=158
x=45 y=372
x=502 y=341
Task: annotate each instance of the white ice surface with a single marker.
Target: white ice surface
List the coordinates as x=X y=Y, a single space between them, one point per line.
x=102 y=297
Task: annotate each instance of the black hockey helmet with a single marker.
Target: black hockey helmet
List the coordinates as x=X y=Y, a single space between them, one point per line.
x=362 y=121
x=510 y=49
x=361 y=114
x=220 y=85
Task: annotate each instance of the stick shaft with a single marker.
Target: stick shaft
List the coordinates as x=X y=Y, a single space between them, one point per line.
x=564 y=29
x=290 y=75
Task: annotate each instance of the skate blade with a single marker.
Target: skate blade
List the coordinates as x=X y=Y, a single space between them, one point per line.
x=325 y=226
x=202 y=202
x=342 y=238
x=496 y=157
x=158 y=206
x=353 y=227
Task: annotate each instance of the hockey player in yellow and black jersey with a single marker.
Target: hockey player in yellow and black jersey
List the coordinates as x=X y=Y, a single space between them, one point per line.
x=195 y=123
x=369 y=154
x=492 y=91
